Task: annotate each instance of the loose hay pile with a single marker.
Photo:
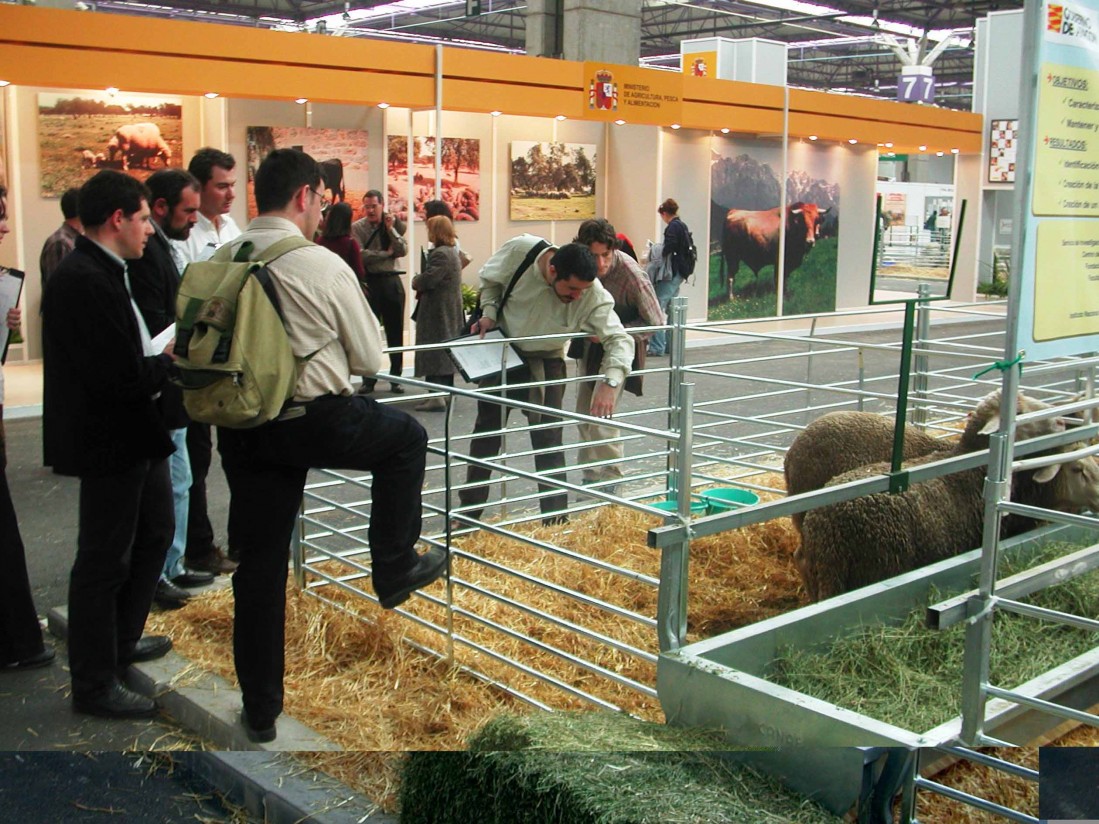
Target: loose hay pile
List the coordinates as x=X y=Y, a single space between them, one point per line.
x=909 y=675
x=593 y=767
x=351 y=676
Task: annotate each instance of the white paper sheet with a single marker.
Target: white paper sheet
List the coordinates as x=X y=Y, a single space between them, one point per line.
x=484 y=359
x=11 y=284
x=164 y=338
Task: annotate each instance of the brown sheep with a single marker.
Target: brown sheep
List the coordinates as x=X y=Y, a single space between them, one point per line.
x=137 y=144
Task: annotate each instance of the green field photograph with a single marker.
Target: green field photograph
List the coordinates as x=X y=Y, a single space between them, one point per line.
x=747 y=228
x=552 y=181
x=80 y=133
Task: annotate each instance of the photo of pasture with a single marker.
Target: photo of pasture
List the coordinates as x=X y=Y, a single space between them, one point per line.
x=460 y=186
x=746 y=229
x=341 y=153
x=552 y=181
x=81 y=132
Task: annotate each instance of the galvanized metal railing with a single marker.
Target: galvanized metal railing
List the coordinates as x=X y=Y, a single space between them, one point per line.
x=732 y=436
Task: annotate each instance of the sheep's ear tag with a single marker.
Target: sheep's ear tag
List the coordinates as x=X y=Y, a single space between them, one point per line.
x=898 y=482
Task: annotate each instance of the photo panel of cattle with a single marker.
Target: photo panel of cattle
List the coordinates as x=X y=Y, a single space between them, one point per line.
x=746 y=229
x=341 y=153
x=81 y=132
x=460 y=186
x=552 y=181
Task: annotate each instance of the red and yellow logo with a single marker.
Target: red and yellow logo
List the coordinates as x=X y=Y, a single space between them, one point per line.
x=603 y=92
x=699 y=68
x=1055 y=17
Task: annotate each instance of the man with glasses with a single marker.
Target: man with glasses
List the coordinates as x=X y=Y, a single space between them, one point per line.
x=381 y=237
x=326 y=424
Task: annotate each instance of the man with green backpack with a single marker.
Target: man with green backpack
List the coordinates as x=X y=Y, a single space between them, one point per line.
x=319 y=421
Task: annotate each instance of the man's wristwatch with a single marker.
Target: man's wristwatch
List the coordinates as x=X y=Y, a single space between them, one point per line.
x=611 y=382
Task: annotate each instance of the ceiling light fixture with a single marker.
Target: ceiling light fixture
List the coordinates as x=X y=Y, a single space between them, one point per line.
x=4 y=83
x=620 y=123
x=923 y=148
x=495 y=114
x=725 y=130
x=301 y=100
x=560 y=117
x=210 y=95
x=938 y=154
x=954 y=151
x=852 y=141
x=812 y=137
x=889 y=144
x=675 y=126
x=383 y=105
x=112 y=90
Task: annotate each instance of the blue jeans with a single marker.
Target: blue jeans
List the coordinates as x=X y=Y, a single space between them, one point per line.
x=665 y=291
x=179 y=464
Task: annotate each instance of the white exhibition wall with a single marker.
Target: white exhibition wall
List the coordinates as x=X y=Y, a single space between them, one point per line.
x=637 y=168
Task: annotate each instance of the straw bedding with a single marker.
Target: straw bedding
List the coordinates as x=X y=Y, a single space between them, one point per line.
x=352 y=676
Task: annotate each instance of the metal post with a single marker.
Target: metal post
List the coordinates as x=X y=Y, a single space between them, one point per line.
x=671 y=607
x=297 y=549
x=921 y=367
x=902 y=394
x=676 y=337
x=978 y=630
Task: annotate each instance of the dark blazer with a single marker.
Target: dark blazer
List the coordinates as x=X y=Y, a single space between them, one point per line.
x=98 y=413
x=154 y=282
x=677 y=242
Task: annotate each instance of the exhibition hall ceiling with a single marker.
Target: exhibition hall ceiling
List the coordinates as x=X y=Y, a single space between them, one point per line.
x=847 y=45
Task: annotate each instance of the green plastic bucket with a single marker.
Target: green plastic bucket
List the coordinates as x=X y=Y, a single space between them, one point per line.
x=724 y=499
x=697 y=507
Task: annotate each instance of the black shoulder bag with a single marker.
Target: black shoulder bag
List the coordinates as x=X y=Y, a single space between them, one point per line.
x=476 y=314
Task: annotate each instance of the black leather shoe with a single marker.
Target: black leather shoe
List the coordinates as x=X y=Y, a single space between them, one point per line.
x=257 y=735
x=193 y=578
x=42 y=659
x=396 y=389
x=432 y=565
x=148 y=648
x=365 y=388
x=117 y=702
x=169 y=596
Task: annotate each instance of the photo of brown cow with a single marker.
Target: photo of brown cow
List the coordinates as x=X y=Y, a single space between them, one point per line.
x=340 y=152
x=80 y=133
x=460 y=184
x=747 y=227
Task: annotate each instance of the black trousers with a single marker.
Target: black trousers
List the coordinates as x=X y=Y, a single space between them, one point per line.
x=267 y=468
x=127 y=521
x=550 y=458
x=200 y=532
x=387 y=299
x=20 y=635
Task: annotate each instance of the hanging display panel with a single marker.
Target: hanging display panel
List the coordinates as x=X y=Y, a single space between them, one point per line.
x=745 y=221
x=341 y=153
x=81 y=132
x=460 y=187
x=552 y=181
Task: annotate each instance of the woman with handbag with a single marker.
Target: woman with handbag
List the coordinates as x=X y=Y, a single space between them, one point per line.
x=439 y=313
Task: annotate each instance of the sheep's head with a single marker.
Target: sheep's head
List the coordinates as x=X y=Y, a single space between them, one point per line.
x=1077 y=489
x=985 y=419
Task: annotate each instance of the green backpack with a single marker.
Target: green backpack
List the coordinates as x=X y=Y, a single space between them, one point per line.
x=236 y=367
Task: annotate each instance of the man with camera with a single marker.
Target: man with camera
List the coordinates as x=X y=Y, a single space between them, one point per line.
x=381 y=237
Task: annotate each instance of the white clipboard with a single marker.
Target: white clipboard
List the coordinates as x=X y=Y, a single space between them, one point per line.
x=484 y=359
x=11 y=286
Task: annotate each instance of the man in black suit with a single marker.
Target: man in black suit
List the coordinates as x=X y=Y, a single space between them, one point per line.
x=100 y=423
x=154 y=280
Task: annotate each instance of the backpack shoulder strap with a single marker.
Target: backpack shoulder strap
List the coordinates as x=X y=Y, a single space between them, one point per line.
x=281 y=247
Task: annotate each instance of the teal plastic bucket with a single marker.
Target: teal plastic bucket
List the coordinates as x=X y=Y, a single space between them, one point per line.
x=724 y=499
x=697 y=507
